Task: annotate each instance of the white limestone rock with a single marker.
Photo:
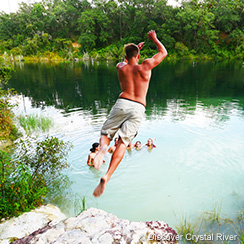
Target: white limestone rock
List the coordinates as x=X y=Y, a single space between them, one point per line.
x=95 y=226
x=29 y=222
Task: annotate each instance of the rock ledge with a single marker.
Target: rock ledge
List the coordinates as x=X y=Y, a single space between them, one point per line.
x=95 y=226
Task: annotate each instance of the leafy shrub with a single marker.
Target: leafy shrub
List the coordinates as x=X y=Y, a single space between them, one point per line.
x=26 y=177
x=62 y=44
x=6 y=70
x=15 y=51
x=147 y=53
x=116 y=51
x=181 y=49
x=31 y=46
x=240 y=51
x=7 y=128
x=18 y=193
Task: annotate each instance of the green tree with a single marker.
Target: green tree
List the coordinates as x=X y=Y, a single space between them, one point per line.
x=228 y=14
x=209 y=26
x=87 y=23
x=196 y=26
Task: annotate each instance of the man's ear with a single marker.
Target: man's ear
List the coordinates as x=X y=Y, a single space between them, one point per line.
x=126 y=57
x=138 y=56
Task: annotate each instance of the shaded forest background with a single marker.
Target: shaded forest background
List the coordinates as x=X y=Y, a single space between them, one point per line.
x=99 y=28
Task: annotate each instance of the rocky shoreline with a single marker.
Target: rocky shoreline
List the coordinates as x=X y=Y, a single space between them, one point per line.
x=48 y=225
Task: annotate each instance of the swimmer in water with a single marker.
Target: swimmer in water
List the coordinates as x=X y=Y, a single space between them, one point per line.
x=112 y=148
x=138 y=145
x=150 y=144
x=91 y=156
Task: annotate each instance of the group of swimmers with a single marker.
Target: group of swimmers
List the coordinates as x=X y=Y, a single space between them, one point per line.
x=137 y=146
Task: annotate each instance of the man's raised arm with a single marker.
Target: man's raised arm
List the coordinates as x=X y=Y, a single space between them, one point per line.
x=157 y=58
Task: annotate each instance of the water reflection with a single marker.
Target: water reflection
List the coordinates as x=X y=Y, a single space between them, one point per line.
x=92 y=86
x=178 y=110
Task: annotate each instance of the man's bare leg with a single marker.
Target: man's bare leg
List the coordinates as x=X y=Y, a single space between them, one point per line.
x=115 y=160
x=98 y=159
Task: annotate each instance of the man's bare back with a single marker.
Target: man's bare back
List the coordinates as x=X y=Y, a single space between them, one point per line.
x=134 y=81
x=134 y=78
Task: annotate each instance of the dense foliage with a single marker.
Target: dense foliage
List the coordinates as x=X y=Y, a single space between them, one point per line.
x=7 y=128
x=26 y=177
x=211 y=27
x=6 y=70
x=34 y=169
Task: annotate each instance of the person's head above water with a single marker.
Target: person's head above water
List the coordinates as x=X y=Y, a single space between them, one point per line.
x=149 y=142
x=94 y=147
x=138 y=144
x=131 y=50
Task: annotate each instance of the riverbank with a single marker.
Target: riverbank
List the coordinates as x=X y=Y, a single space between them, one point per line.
x=48 y=224
x=105 y=55
x=25 y=224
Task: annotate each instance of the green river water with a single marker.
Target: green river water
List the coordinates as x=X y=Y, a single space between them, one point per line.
x=195 y=110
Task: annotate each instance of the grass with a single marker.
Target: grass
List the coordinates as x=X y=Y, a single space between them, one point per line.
x=238 y=227
x=186 y=229
x=79 y=204
x=213 y=216
x=211 y=223
x=35 y=123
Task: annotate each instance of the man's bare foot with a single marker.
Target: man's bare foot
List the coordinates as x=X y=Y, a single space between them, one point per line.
x=98 y=159
x=100 y=188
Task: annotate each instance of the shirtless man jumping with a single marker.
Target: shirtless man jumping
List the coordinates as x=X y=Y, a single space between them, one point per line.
x=128 y=111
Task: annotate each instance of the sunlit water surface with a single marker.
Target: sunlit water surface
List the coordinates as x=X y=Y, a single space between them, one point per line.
x=197 y=166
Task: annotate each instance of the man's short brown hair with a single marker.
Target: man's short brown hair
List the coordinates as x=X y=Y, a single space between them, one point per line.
x=131 y=50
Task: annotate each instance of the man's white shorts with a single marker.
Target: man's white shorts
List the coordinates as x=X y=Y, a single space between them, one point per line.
x=125 y=118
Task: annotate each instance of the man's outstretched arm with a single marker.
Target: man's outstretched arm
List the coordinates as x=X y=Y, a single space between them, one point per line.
x=157 y=58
